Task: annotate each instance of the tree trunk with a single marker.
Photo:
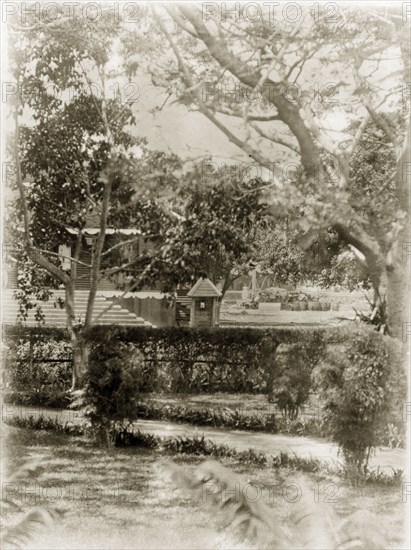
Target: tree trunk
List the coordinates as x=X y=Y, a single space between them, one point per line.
x=379 y=284
x=397 y=298
x=78 y=343
x=391 y=286
x=80 y=358
x=228 y=280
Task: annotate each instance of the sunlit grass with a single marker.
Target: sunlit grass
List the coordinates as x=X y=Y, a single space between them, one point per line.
x=124 y=498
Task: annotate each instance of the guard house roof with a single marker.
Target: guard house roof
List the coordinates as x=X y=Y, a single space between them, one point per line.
x=204 y=288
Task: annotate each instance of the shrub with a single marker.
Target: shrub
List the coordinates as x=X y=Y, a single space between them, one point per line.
x=128 y=437
x=294 y=363
x=292 y=379
x=362 y=386
x=45 y=423
x=112 y=387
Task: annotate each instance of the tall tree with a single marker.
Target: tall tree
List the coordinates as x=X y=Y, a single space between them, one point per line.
x=258 y=77
x=75 y=155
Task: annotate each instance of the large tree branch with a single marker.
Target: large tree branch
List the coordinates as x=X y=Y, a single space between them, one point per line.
x=275 y=138
x=357 y=137
x=193 y=88
x=113 y=270
x=119 y=245
x=57 y=255
x=355 y=236
x=237 y=113
x=97 y=252
x=380 y=121
x=76 y=255
x=107 y=180
x=175 y=15
x=402 y=172
x=249 y=76
x=130 y=288
x=40 y=260
x=242 y=144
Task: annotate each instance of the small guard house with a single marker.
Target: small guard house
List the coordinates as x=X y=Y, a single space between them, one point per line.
x=205 y=303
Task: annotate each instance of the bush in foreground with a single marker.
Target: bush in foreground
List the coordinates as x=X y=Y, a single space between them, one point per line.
x=112 y=387
x=362 y=386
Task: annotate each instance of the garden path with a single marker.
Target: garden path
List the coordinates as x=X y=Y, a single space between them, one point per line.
x=385 y=459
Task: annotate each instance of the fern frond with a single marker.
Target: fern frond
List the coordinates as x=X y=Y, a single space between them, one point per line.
x=361 y=530
x=249 y=520
x=316 y=523
x=34 y=521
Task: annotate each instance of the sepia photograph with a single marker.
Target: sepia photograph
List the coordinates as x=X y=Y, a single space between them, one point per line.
x=205 y=275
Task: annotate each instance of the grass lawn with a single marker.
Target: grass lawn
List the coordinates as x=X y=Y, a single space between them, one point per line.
x=285 y=318
x=124 y=498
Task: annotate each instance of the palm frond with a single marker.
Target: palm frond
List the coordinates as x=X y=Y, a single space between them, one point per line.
x=18 y=535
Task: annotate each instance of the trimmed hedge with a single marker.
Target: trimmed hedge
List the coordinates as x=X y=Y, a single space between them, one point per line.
x=189 y=360
x=37 y=365
x=177 y=360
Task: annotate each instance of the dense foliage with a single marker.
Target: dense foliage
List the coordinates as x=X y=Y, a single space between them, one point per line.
x=306 y=100
x=111 y=391
x=185 y=360
x=212 y=231
x=327 y=262
x=188 y=360
x=37 y=366
x=362 y=385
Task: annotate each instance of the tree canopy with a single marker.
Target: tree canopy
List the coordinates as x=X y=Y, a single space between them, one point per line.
x=302 y=92
x=309 y=92
x=213 y=234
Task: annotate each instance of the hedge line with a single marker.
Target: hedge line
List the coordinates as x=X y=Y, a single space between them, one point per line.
x=189 y=360
x=37 y=365
x=185 y=360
